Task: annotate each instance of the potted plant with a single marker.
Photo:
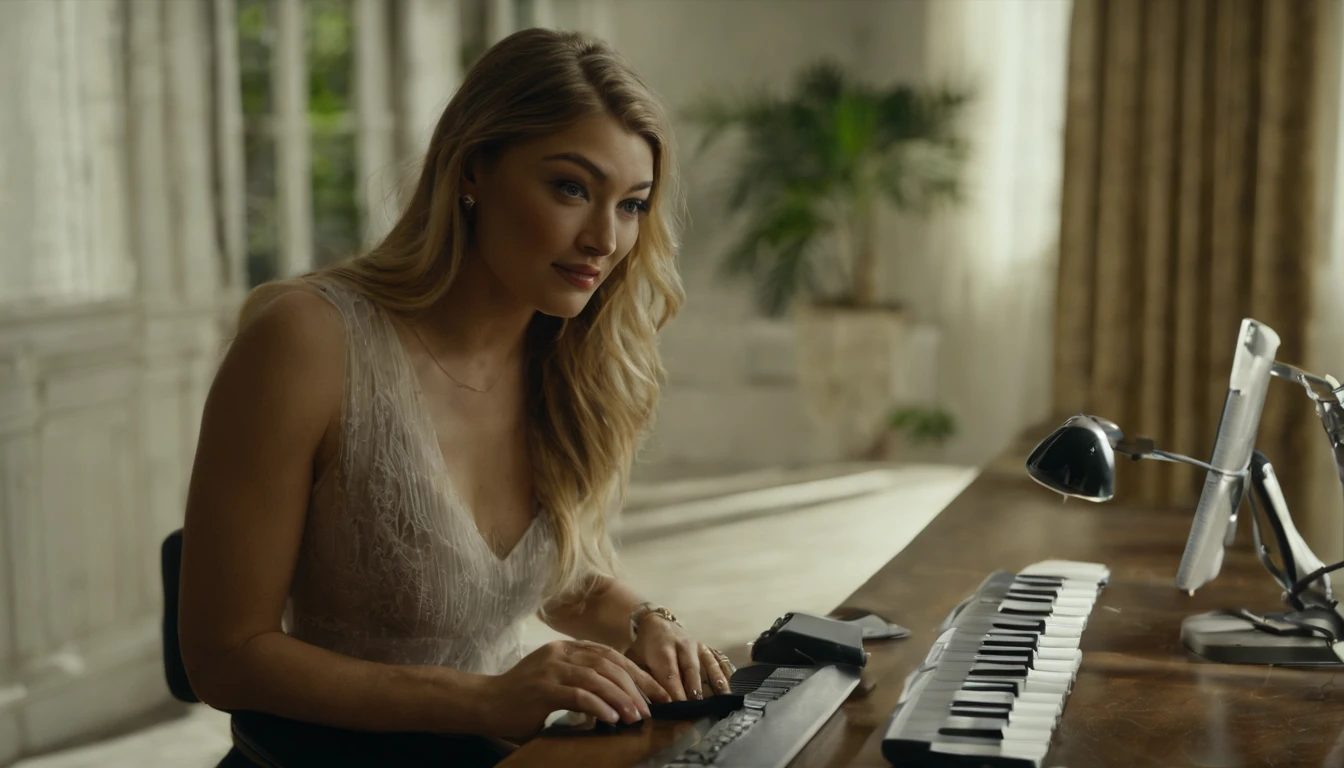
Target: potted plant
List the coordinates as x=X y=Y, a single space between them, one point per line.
x=816 y=168
x=913 y=427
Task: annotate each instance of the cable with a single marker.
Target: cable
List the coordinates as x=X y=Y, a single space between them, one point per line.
x=1300 y=628
x=1305 y=581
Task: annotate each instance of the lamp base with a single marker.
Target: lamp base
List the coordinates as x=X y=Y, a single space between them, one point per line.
x=1229 y=639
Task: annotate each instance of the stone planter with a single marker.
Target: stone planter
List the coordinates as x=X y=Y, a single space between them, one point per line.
x=851 y=367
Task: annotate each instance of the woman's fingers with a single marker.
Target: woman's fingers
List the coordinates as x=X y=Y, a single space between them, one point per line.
x=713 y=671
x=579 y=699
x=726 y=666
x=667 y=672
x=689 y=662
x=642 y=679
x=581 y=675
x=619 y=675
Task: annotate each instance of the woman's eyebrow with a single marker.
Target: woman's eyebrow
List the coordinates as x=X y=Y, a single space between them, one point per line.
x=588 y=165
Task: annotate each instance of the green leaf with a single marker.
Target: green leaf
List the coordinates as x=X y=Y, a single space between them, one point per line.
x=923 y=425
x=831 y=144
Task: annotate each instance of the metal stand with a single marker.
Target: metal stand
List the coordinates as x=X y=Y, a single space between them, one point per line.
x=1227 y=639
x=1287 y=639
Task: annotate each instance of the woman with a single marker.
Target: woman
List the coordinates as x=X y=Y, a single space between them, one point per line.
x=405 y=455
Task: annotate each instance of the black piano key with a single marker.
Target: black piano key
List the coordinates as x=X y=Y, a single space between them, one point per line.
x=984 y=699
x=1020 y=624
x=995 y=640
x=1035 y=592
x=1006 y=653
x=988 y=734
x=1015 y=610
x=999 y=670
x=997 y=714
x=1030 y=598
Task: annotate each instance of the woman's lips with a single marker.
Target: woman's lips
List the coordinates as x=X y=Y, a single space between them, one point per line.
x=576 y=278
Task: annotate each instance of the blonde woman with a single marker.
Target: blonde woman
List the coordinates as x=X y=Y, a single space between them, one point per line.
x=405 y=455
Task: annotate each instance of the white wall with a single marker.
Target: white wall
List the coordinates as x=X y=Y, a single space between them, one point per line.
x=1321 y=517
x=979 y=280
x=732 y=400
x=995 y=258
x=110 y=295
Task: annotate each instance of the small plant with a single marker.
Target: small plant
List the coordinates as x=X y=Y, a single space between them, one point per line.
x=923 y=425
x=817 y=165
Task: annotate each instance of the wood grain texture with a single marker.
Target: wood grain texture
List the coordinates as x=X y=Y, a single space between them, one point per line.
x=1139 y=700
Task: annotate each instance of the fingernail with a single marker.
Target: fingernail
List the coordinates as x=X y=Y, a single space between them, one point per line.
x=610 y=716
x=722 y=684
x=632 y=713
x=696 y=694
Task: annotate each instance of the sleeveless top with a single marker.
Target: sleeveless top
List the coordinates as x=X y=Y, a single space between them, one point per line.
x=392 y=567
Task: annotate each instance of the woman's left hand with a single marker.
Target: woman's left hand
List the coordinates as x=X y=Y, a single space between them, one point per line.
x=685 y=668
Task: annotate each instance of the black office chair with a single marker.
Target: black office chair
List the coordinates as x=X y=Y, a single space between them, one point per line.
x=265 y=741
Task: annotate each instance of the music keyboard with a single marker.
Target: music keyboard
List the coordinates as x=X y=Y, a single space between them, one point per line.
x=783 y=707
x=994 y=683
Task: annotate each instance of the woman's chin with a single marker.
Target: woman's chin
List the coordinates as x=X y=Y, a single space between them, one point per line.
x=565 y=307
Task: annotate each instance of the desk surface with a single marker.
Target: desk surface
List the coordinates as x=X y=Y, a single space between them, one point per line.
x=1138 y=700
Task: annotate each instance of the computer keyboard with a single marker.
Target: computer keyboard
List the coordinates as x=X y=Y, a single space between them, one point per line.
x=783 y=707
x=993 y=686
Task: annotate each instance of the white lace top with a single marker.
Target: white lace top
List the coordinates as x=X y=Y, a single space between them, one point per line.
x=392 y=567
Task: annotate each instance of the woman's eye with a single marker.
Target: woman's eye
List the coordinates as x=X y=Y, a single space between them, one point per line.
x=635 y=207
x=570 y=189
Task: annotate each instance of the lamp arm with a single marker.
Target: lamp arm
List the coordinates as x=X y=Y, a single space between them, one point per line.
x=1142 y=448
x=1325 y=392
x=1298 y=559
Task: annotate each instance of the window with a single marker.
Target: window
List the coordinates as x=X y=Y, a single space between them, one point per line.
x=324 y=165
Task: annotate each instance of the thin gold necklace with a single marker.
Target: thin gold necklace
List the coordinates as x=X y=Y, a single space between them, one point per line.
x=450 y=376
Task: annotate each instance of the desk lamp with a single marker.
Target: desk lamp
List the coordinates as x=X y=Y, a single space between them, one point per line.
x=1078 y=460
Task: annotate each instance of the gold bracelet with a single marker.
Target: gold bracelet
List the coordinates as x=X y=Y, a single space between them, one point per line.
x=646 y=609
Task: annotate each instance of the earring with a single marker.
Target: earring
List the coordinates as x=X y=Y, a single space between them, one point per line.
x=468 y=201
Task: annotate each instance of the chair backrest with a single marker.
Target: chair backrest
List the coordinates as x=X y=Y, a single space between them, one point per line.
x=173 y=668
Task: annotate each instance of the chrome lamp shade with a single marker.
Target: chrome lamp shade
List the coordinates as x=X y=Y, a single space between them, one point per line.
x=1077 y=459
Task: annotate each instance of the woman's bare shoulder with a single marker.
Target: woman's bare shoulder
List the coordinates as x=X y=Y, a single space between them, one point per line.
x=292 y=347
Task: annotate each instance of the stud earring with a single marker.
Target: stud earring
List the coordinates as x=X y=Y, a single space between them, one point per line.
x=468 y=201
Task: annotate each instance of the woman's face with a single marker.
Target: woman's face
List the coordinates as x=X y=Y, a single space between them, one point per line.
x=555 y=215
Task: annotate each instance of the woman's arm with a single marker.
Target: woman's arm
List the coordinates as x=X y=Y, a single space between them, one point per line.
x=603 y=616
x=277 y=392
x=683 y=667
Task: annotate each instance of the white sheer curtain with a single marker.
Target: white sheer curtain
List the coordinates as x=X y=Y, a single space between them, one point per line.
x=64 y=190
x=1321 y=519
x=997 y=253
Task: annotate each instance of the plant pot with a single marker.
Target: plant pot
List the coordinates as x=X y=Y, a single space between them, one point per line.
x=849 y=368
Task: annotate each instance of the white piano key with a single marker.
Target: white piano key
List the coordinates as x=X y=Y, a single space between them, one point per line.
x=1032 y=753
x=1068 y=568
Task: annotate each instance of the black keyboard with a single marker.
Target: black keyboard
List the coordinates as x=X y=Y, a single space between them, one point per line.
x=782 y=708
x=993 y=686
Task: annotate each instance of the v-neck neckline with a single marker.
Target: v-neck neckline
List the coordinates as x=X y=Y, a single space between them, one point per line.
x=431 y=434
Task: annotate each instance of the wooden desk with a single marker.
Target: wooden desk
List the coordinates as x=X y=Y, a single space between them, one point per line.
x=1139 y=699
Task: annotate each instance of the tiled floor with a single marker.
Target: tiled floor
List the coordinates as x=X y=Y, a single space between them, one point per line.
x=757 y=553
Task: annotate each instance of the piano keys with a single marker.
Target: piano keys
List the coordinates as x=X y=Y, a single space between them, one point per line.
x=994 y=684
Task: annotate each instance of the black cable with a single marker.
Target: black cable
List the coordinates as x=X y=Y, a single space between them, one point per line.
x=1305 y=581
x=1300 y=628
x=1262 y=549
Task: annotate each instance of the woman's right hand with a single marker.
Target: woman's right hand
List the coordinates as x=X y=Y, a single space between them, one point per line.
x=576 y=675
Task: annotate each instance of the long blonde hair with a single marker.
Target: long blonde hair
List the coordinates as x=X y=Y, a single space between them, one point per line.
x=594 y=380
